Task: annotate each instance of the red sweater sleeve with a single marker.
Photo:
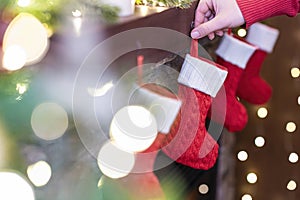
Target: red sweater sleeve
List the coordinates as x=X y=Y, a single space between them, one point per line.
x=258 y=10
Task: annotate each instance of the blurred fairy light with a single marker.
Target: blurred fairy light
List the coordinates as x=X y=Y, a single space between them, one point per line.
x=203 y=189
x=133 y=128
x=252 y=178
x=24 y=3
x=100 y=182
x=295 y=72
x=246 y=197
x=76 y=13
x=21 y=88
x=114 y=162
x=242 y=155
x=25 y=42
x=77 y=23
x=49 y=121
x=98 y=92
x=259 y=141
x=39 y=173
x=292 y=185
x=242 y=32
x=290 y=127
x=262 y=112
x=293 y=157
x=14 y=187
x=14 y=58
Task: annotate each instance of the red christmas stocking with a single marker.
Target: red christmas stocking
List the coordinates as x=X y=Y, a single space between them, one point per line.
x=142 y=183
x=234 y=55
x=252 y=87
x=188 y=141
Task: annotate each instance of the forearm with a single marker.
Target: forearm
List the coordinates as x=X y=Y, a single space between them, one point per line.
x=254 y=11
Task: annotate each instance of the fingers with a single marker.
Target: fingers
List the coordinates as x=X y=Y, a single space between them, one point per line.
x=207 y=28
x=202 y=12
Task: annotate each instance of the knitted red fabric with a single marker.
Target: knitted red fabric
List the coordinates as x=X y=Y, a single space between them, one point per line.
x=252 y=87
x=236 y=115
x=188 y=141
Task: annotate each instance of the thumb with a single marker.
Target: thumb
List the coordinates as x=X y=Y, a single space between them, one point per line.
x=208 y=27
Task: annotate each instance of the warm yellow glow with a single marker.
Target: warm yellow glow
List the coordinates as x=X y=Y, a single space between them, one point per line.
x=14 y=58
x=48 y=29
x=24 y=3
x=14 y=187
x=242 y=32
x=30 y=35
x=252 y=178
x=98 y=92
x=242 y=155
x=49 y=121
x=39 y=173
x=246 y=197
x=21 y=88
x=100 y=182
x=259 y=141
x=293 y=157
x=292 y=185
x=290 y=127
x=114 y=162
x=133 y=128
x=295 y=72
x=262 y=112
x=203 y=189
x=76 y=13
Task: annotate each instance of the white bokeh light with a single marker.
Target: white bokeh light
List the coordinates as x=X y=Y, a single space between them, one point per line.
x=14 y=187
x=14 y=58
x=291 y=127
x=133 y=128
x=242 y=32
x=39 y=173
x=30 y=35
x=293 y=157
x=252 y=178
x=49 y=121
x=24 y=3
x=246 y=197
x=259 y=141
x=203 y=189
x=242 y=155
x=292 y=185
x=262 y=112
x=295 y=72
x=298 y=100
x=114 y=162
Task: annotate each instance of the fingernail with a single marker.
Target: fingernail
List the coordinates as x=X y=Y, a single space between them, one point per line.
x=195 y=34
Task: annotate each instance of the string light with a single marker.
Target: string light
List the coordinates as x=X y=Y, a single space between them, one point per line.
x=293 y=157
x=242 y=32
x=295 y=72
x=252 y=178
x=246 y=197
x=259 y=141
x=292 y=185
x=290 y=127
x=242 y=155
x=203 y=189
x=262 y=112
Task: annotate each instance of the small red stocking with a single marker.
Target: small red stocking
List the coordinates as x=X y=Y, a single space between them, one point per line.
x=252 y=87
x=234 y=55
x=188 y=141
